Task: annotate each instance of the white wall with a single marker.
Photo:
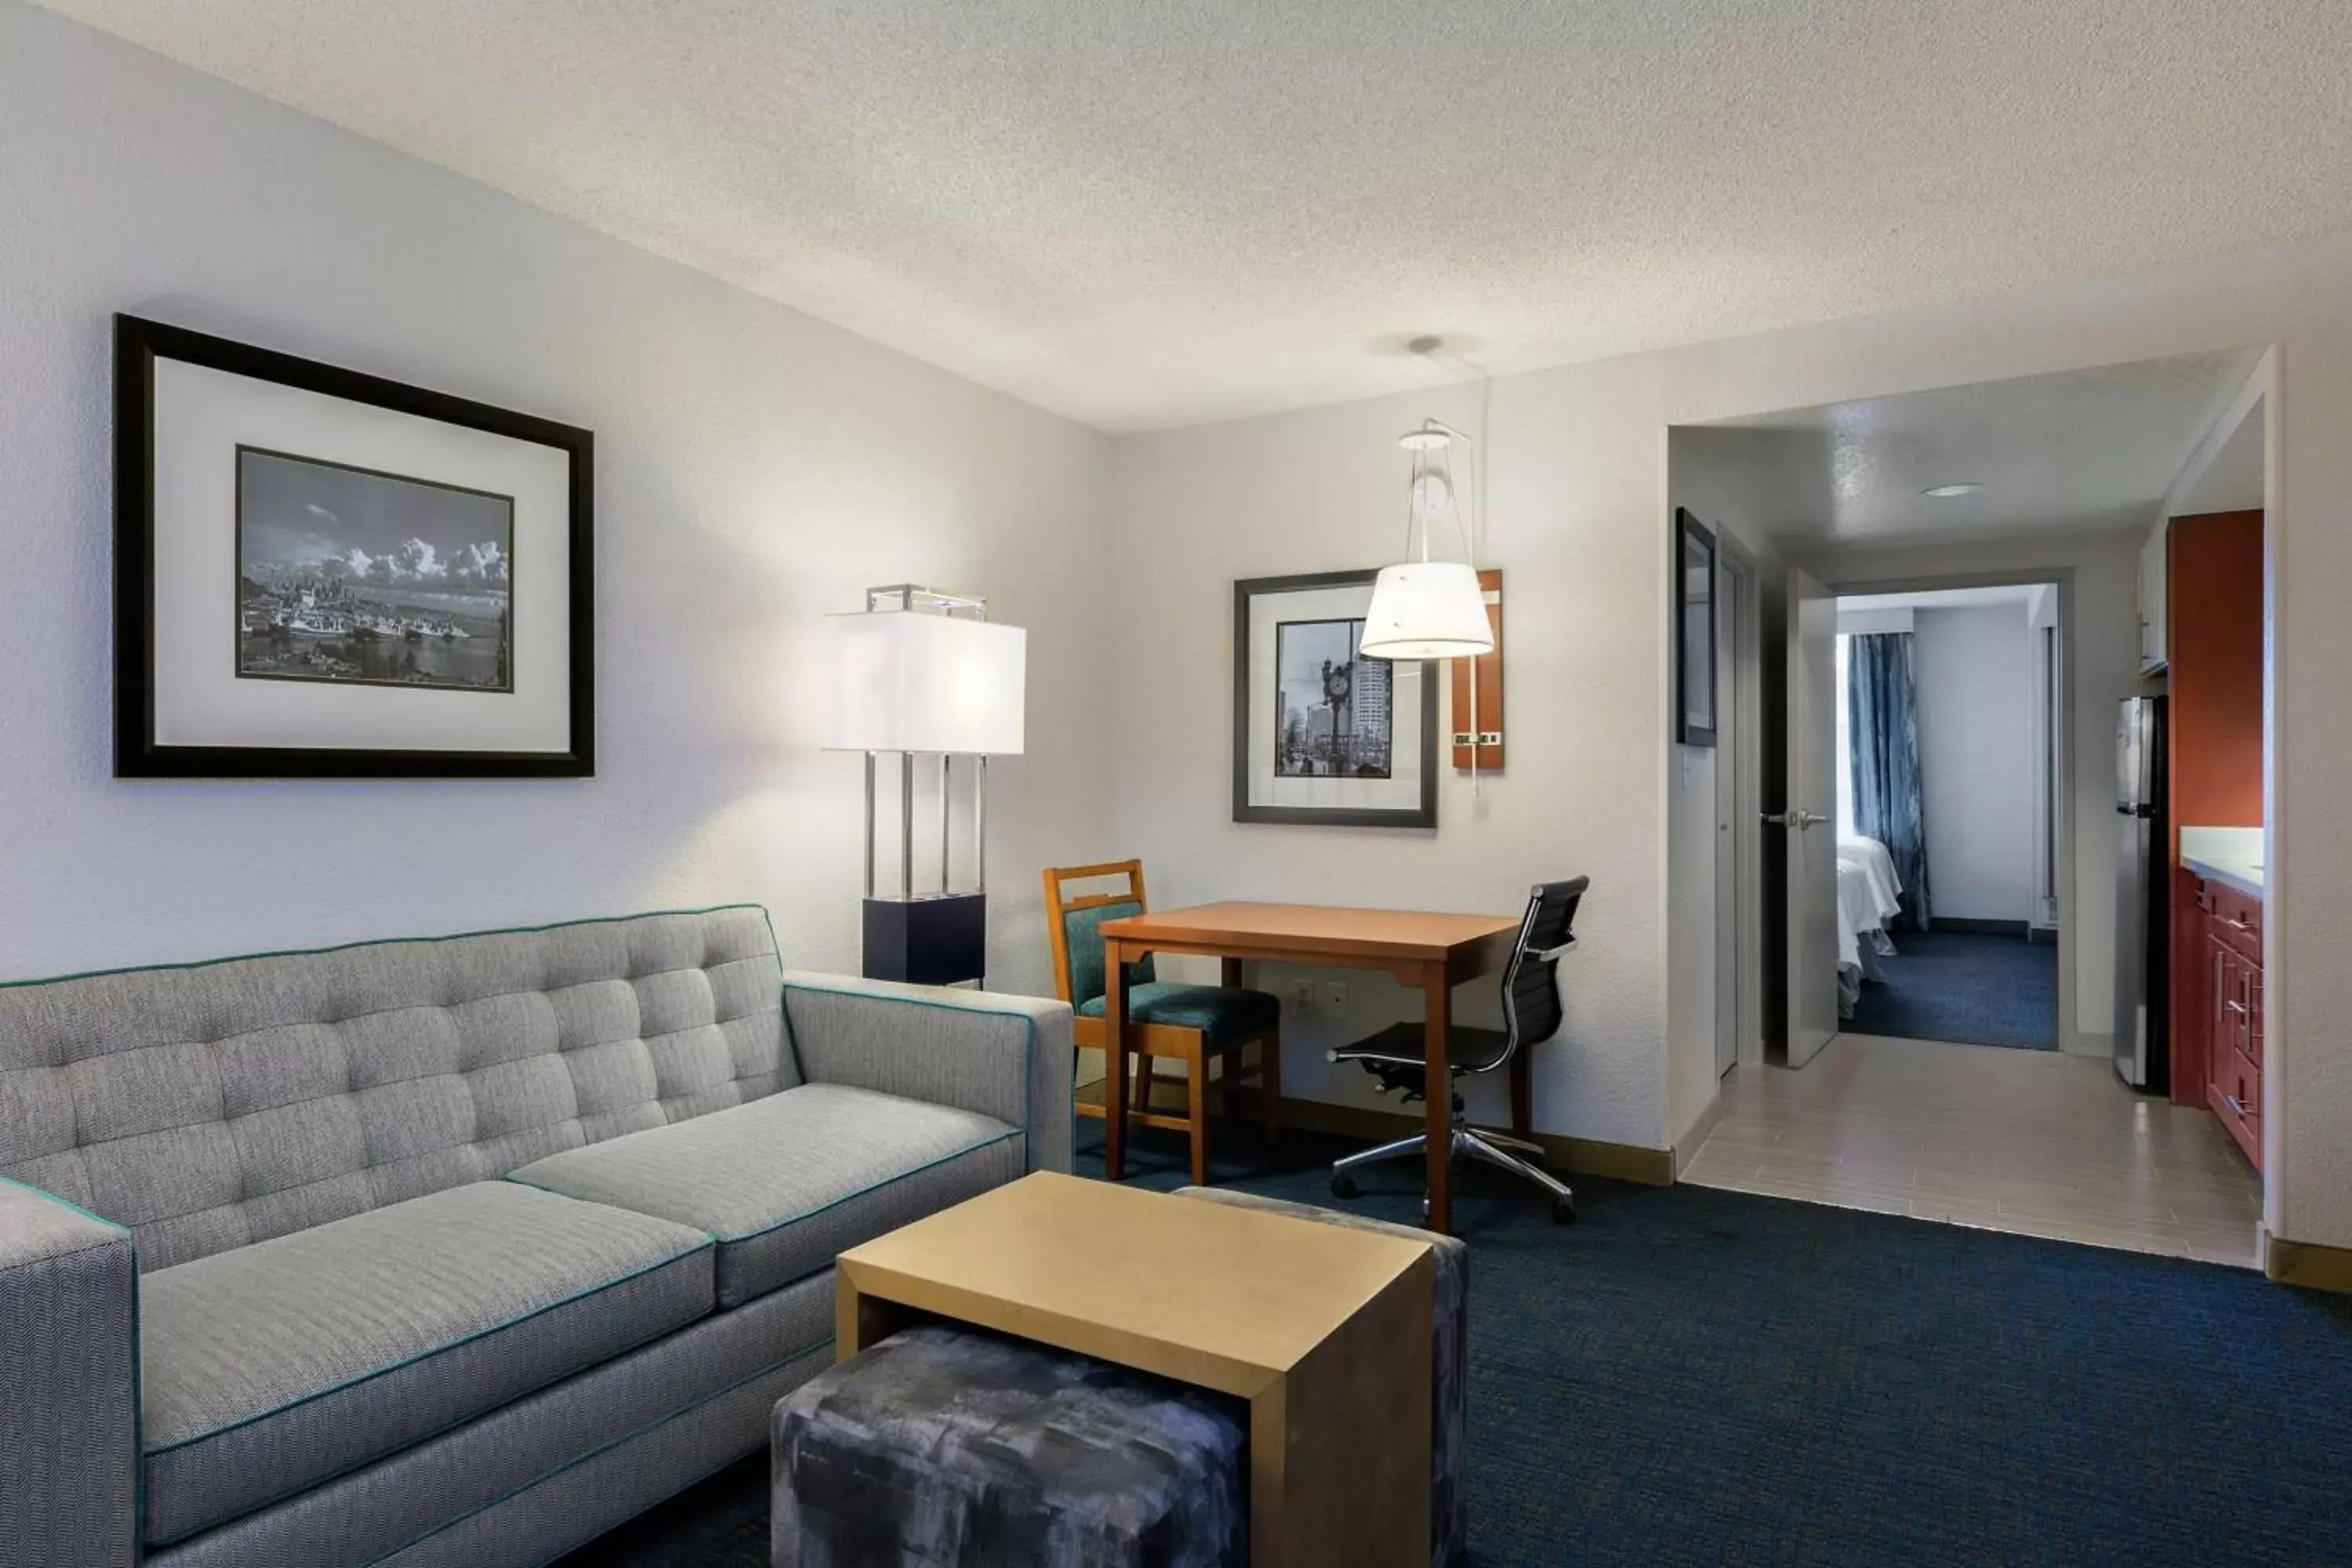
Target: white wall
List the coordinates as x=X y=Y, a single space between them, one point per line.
x=1580 y=529
x=754 y=468
x=1695 y=870
x=1973 y=670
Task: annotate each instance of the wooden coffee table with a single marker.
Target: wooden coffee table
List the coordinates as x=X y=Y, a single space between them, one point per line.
x=1325 y=1331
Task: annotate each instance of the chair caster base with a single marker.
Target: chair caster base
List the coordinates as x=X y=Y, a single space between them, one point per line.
x=1343 y=1185
x=1563 y=1211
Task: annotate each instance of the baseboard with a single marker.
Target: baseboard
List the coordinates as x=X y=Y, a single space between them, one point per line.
x=2102 y=1046
x=2309 y=1264
x=1576 y=1156
x=1694 y=1136
x=1978 y=927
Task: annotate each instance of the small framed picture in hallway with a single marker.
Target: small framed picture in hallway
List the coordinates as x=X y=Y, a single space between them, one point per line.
x=1694 y=621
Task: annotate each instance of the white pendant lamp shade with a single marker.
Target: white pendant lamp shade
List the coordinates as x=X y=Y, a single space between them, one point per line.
x=1427 y=609
x=1424 y=608
x=901 y=681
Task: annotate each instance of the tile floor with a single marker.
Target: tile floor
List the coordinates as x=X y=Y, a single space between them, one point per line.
x=2032 y=1142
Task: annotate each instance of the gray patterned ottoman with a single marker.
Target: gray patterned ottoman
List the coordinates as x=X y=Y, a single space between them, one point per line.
x=945 y=1446
x=1449 y=1442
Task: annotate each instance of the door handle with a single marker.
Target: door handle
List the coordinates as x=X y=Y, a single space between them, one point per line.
x=1799 y=818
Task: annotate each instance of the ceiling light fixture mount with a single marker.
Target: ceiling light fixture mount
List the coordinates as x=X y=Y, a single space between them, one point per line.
x=1960 y=487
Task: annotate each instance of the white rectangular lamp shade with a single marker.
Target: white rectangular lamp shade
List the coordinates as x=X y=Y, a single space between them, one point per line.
x=903 y=680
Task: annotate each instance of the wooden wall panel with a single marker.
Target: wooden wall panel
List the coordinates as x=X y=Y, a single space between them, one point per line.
x=1488 y=720
x=2214 y=643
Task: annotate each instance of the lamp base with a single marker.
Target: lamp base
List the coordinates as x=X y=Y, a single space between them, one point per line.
x=932 y=938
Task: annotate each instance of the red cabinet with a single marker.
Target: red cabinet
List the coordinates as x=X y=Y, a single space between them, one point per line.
x=2232 y=1019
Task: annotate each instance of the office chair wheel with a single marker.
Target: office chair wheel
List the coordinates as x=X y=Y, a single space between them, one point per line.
x=1563 y=1211
x=1343 y=1185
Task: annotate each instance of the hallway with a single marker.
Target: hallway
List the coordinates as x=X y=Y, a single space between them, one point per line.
x=2032 y=1142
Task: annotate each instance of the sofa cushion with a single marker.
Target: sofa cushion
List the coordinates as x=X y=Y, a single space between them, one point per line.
x=787 y=1181
x=270 y=1368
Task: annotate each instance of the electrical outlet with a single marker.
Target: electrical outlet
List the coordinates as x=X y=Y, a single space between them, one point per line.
x=1302 y=997
x=1335 y=998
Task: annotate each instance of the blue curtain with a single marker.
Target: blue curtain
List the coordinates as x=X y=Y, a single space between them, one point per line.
x=1883 y=737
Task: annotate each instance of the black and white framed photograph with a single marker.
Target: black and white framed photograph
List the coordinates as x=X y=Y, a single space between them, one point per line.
x=345 y=574
x=1336 y=717
x=1693 y=621
x=324 y=574
x=1322 y=733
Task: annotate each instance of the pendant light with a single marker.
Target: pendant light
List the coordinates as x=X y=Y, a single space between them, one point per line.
x=1422 y=607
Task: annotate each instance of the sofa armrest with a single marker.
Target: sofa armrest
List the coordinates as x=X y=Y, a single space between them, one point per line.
x=69 y=1384
x=1002 y=1055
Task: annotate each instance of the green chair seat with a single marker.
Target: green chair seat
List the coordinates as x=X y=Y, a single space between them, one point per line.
x=1222 y=1012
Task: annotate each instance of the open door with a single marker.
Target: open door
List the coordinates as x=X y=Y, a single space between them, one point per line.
x=1810 y=820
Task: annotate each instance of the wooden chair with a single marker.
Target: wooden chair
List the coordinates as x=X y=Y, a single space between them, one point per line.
x=1192 y=1024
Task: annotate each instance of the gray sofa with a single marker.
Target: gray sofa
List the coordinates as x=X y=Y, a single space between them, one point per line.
x=457 y=1250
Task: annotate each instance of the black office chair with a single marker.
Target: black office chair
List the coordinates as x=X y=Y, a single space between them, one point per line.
x=1531 y=1012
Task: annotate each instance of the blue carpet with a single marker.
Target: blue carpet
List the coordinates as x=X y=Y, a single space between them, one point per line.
x=1694 y=1376
x=1963 y=986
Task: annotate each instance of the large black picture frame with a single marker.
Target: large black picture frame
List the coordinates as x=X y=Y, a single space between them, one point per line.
x=1421 y=815
x=139 y=343
x=1693 y=621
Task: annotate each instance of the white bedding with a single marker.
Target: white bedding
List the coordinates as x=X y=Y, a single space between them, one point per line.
x=1868 y=897
x=1871 y=856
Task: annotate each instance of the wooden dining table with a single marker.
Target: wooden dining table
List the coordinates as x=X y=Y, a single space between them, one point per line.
x=1432 y=953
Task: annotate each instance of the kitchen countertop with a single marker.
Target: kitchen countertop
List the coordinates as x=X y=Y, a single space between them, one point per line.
x=2233 y=856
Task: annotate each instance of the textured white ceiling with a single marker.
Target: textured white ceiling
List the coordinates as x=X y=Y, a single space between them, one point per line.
x=1143 y=213
x=2082 y=451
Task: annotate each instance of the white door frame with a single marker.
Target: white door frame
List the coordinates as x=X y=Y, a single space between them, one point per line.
x=2069 y=1036
x=1740 y=950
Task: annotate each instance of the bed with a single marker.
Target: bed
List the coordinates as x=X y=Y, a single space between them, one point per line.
x=1869 y=895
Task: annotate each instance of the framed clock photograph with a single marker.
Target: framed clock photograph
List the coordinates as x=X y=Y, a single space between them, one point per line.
x=1323 y=734
x=322 y=574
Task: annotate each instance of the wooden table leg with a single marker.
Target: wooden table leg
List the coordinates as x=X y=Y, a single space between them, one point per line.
x=1437 y=1023
x=1115 y=1059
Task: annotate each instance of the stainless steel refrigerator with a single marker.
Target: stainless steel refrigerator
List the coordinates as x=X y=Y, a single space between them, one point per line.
x=2142 y=888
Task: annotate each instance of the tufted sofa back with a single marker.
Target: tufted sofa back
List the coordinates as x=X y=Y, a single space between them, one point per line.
x=211 y=1105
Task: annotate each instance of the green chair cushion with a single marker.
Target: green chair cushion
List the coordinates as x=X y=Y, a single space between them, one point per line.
x=1222 y=1012
x=1082 y=928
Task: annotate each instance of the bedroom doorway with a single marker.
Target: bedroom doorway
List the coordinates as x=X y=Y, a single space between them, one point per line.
x=1949 y=774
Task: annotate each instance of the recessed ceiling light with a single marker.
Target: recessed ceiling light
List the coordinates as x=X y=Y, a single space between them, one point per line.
x=1945 y=492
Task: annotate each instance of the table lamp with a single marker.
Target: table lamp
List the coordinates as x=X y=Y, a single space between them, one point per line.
x=921 y=672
